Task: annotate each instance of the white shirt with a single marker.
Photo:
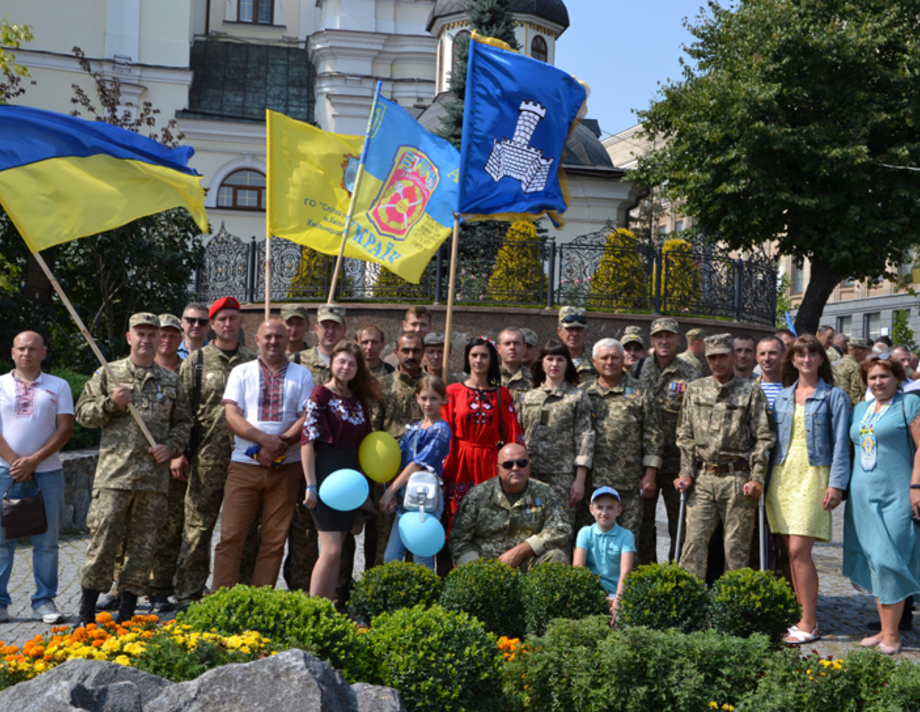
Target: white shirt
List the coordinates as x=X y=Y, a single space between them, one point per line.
x=28 y=415
x=271 y=410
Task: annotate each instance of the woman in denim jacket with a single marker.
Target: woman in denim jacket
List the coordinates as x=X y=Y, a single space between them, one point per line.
x=812 y=467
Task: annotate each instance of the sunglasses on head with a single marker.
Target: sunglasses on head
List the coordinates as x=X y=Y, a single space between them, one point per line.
x=192 y=320
x=885 y=356
x=521 y=462
x=575 y=319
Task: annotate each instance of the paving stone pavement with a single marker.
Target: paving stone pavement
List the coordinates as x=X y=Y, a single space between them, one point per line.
x=842 y=612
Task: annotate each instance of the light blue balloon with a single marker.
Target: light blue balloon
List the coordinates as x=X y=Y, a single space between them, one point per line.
x=421 y=538
x=344 y=490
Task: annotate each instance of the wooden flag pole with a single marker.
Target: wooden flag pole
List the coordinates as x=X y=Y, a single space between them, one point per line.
x=92 y=343
x=448 y=322
x=268 y=275
x=351 y=211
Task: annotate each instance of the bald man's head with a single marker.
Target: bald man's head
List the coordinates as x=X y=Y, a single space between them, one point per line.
x=28 y=352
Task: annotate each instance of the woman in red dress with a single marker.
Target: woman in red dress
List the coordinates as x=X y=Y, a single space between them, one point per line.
x=480 y=412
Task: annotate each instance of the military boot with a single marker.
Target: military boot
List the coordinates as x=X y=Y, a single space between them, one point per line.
x=88 y=607
x=126 y=608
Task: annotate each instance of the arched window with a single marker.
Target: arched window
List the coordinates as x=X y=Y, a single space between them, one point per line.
x=243 y=190
x=453 y=54
x=538 y=49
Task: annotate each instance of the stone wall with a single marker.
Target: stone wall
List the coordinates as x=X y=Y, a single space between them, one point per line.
x=79 y=473
x=489 y=321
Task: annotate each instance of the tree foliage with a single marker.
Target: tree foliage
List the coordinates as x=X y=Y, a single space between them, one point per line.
x=680 y=280
x=790 y=123
x=901 y=333
x=620 y=282
x=11 y=73
x=518 y=274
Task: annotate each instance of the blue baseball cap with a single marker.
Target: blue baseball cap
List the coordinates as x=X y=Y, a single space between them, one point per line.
x=605 y=490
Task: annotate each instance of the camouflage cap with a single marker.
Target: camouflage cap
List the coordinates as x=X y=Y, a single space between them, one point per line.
x=720 y=344
x=144 y=319
x=859 y=342
x=331 y=312
x=434 y=339
x=530 y=337
x=573 y=318
x=170 y=321
x=289 y=310
x=665 y=323
x=632 y=335
x=695 y=335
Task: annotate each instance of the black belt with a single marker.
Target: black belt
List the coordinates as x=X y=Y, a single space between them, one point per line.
x=715 y=468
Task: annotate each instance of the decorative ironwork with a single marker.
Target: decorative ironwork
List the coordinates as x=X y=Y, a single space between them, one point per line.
x=598 y=270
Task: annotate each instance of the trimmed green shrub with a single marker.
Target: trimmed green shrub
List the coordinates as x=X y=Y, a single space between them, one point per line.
x=439 y=660
x=583 y=665
x=387 y=588
x=620 y=281
x=663 y=596
x=560 y=591
x=489 y=590
x=82 y=437
x=518 y=275
x=288 y=618
x=744 y=601
x=680 y=283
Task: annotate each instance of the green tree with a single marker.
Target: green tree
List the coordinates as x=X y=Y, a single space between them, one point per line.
x=620 y=281
x=680 y=282
x=783 y=302
x=790 y=123
x=901 y=333
x=518 y=275
x=11 y=74
x=390 y=285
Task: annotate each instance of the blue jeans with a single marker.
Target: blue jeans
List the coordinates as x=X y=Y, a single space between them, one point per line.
x=396 y=550
x=45 y=546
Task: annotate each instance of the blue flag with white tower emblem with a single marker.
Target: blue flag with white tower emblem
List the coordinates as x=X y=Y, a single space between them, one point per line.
x=518 y=112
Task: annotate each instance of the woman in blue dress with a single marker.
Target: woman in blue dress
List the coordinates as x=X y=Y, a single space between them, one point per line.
x=881 y=537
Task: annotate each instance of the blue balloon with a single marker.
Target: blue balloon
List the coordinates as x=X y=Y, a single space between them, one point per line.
x=421 y=538
x=344 y=490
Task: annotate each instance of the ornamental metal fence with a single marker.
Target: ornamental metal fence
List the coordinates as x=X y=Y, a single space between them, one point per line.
x=601 y=271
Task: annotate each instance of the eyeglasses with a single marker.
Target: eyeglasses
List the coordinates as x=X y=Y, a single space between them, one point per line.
x=521 y=462
x=575 y=319
x=193 y=321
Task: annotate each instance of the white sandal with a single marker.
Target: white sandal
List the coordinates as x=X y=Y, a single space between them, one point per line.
x=796 y=637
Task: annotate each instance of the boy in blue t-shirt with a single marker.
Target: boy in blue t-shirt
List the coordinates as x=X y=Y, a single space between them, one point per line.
x=606 y=548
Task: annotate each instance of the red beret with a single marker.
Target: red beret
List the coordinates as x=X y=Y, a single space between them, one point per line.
x=225 y=303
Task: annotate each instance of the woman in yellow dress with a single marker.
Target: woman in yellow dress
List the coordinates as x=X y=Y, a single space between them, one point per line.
x=811 y=471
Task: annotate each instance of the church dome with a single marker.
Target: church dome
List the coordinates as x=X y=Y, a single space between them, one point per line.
x=584 y=148
x=551 y=10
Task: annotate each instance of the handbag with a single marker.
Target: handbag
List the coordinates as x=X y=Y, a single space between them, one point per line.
x=423 y=490
x=23 y=516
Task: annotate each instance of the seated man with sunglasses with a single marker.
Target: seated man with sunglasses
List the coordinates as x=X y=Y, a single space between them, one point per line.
x=511 y=518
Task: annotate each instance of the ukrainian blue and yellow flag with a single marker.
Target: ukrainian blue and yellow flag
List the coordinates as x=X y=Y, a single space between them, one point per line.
x=406 y=194
x=62 y=177
x=517 y=115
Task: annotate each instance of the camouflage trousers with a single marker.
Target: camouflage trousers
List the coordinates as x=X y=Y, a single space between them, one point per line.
x=203 y=500
x=713 y=499
x=550 y=556
x=122 y=521
x=647 y=541
x=561 y=485
x=169 y=540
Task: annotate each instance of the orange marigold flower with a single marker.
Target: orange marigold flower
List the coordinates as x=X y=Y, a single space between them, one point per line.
x=98 y=643
x=121 y=631
x=103 y=617
x=91 y=626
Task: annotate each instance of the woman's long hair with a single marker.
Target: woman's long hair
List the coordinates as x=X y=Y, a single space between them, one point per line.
x=554 y=347
x=495 y=369
x=806 y=342
x=364 y=386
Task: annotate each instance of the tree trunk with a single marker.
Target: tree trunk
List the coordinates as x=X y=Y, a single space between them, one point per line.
x=820 y=285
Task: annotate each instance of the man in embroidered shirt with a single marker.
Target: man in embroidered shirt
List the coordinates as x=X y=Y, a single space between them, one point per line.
x=195 y=326
x=511 y=518
x=265 y=402
x=36 y=421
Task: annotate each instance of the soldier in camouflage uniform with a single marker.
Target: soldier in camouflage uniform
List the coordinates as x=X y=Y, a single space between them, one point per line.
x=695 y=352
x=398 y=407
x=724 y=438
x=558 y=432
x=516 y=377
x=573 y=324
x=666 y=377
x=511 y=518
x=297 y=320
x=531 y=347
x=330 y=329
x=371 y=340
x=207 y=471
x=633 y=346
x=132 y=478
x=627 y=440
x=846 y=370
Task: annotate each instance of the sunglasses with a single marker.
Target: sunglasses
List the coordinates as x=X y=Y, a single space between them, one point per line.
x=575 y=319
x=522 y=462
x=199 y=322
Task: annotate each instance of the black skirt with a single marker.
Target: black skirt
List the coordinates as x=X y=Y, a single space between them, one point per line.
x=329 y=460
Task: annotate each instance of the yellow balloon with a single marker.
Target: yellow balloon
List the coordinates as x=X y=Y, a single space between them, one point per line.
x=379 y=456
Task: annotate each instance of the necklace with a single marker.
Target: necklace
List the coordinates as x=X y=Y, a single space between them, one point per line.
x=868 y=458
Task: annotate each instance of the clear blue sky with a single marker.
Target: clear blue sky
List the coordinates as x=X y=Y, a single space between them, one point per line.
x=623 y=49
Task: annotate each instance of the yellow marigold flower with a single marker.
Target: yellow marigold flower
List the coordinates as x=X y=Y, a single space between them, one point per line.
x=826 y=663
x=112 y=645
x=713 y=705
x=123 y=660
x=245 y=649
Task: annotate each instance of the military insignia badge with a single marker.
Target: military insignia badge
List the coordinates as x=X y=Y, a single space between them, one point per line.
x=402 y=199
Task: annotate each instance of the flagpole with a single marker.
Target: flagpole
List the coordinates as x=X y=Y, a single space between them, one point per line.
x=92 y=343
x=268 y=276
x=448 y=322
x=268 y=213
x=354 y=192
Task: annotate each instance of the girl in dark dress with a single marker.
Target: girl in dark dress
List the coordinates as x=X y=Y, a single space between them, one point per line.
x=336 y=422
